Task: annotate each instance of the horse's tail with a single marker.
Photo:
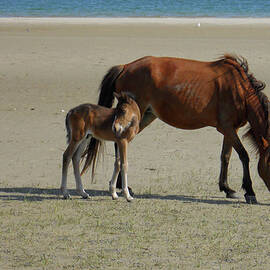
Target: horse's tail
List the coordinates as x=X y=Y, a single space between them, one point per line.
x=106 y=98
x=107 y=86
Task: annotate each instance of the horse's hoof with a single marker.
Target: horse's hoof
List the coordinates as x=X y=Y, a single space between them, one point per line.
x=232 y=195
x=250 y=199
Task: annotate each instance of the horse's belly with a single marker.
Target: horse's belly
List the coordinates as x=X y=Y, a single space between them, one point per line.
x=185 y=118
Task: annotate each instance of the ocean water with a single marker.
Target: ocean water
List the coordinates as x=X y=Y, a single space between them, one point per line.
x=135 y=8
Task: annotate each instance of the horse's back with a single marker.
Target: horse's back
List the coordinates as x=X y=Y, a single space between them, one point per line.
x=171 y=86
x=182 y=92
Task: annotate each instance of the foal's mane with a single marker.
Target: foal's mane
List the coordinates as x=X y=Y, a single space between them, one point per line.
x=241 y=65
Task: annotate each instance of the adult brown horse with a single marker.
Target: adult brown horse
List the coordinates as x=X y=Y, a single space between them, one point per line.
x=191 y=94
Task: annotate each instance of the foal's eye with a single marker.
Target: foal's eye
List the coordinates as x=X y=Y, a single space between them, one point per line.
x=123 y=111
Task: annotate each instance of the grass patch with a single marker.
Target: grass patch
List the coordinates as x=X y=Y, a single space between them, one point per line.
x=171 y=224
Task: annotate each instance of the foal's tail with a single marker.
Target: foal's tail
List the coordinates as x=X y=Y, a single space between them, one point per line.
x=106 y=99
x=92 y=152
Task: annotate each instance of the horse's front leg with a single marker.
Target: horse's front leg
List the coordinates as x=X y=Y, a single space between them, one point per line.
x=232 y=136
x=76 y=166
x=123 y=144
x=225 y=158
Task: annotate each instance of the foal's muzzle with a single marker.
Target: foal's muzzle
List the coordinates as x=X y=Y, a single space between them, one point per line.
x=117 y=129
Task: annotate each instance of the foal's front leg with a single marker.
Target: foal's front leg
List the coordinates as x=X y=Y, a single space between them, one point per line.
x=124 y=168
x=112 y=184
x=147 y=119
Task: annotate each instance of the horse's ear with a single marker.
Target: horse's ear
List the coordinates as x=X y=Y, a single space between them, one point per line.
x=265 y=143
x=116 y=95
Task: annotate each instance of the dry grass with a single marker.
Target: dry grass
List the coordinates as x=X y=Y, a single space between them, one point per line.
x=164 y=230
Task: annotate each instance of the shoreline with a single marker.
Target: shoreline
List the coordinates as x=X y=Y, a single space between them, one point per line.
x=133 y=20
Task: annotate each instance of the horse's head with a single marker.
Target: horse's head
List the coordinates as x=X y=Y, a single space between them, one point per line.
x=127 y=117
x=264 y=163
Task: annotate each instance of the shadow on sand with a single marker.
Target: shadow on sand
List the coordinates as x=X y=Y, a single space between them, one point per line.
x=40 y=194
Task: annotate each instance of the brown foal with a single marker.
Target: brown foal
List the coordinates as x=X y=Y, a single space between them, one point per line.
x=86 y=121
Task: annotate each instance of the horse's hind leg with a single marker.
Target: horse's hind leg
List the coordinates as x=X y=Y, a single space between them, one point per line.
x=76 y=166
x=225 y=158
x=243 y=155
x=72 y=147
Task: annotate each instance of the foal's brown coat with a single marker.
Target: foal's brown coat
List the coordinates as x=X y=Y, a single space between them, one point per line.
x=192 y=94
x=87 y=120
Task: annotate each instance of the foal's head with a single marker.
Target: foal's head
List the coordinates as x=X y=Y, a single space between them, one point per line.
x=127 y=117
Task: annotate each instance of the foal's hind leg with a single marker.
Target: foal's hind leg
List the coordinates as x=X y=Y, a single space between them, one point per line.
x=225 y=158
x=76 y=166
x=243 y=155
x=72 y=147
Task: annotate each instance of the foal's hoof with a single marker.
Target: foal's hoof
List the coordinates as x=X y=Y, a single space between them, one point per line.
x=115 y=196
x=66 y=197
x=85 y=196
x=232 y=195
x=130 y=192
x=129 y=199
x=250 y=199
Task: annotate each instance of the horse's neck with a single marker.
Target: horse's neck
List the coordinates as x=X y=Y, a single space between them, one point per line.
x=256 y=118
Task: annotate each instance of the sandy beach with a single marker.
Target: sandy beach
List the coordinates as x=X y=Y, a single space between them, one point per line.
x=50 y=65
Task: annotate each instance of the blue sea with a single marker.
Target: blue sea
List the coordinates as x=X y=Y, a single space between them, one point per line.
x=135 y=8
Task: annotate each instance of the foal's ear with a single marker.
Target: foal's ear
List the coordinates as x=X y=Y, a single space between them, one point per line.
x=127 y=97
x=116 y=95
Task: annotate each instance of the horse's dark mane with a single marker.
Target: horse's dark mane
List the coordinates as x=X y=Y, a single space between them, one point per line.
x=241 y=63
x=251 y=134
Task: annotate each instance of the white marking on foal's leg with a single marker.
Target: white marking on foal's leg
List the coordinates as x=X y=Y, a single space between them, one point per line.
x=126 y=194
x=112 y=184
x=63 y=188
x=76 y=166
